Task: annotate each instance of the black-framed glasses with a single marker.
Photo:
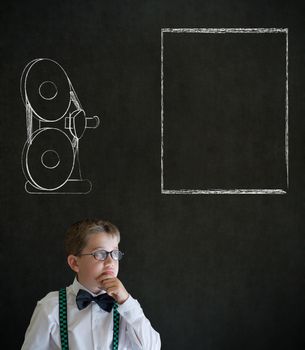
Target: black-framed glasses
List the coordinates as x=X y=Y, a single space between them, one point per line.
x=102 y=255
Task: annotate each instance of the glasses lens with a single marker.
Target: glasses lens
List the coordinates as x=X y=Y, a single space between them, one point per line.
x=116 y=255
x=100 y=255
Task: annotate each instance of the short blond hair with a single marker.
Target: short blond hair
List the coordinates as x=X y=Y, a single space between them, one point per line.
x=77 y=234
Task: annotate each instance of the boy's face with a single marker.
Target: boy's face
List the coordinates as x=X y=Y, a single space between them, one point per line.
x=88 y=268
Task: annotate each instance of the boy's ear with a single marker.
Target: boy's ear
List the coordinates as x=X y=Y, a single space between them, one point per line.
x=73 y=263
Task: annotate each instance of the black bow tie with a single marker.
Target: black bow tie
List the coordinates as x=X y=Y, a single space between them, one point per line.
x=83 y=299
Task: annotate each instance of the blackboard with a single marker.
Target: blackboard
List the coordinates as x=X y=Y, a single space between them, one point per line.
x=195 y=99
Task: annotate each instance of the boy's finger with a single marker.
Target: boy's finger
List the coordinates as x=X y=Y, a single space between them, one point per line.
x=105 y=276
x=108 y=285
x=111 y=291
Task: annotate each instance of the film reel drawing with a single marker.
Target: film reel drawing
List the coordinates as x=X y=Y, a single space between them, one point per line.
x=55 y=122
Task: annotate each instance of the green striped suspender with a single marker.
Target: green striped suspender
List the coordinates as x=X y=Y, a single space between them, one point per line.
x=64 y=327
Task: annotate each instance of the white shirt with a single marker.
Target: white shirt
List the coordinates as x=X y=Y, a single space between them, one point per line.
x=90 y=328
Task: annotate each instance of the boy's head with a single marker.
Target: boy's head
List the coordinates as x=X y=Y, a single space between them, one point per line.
x=78 y=234
x=85 y=238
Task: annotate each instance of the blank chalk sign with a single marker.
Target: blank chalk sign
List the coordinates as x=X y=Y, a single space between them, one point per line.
x=224 y=111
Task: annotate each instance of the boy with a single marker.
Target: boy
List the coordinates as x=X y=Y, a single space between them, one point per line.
x=101 y=314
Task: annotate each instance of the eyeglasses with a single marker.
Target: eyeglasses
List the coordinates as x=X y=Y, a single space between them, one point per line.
x=102 y=255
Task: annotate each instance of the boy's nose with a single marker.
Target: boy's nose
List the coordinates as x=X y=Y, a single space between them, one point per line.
x=109 y=260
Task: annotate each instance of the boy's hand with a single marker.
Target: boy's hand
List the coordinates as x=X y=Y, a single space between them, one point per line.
x=113 y=287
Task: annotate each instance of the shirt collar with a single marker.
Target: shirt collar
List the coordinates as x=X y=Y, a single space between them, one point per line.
x=76 y=286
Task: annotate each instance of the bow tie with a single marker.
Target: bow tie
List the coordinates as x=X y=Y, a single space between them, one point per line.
x=83 y=299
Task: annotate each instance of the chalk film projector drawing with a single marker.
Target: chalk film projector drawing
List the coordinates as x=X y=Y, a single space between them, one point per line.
x=55 y=123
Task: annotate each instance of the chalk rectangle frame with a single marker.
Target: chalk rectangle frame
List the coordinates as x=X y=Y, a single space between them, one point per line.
x=225 y=31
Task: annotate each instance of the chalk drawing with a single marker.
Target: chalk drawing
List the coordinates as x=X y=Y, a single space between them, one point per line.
x=224 y=31
x=55 y=123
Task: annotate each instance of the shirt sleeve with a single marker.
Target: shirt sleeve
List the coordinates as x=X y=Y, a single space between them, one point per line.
x=140 y=332
x=38 y=334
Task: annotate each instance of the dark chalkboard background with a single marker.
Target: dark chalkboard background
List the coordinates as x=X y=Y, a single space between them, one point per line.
x=211 y=271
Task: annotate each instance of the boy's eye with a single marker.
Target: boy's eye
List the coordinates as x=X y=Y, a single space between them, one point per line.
x=116 y=255
x=100 y=255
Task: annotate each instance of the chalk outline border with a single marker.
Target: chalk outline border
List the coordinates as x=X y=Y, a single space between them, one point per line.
x=224 y=31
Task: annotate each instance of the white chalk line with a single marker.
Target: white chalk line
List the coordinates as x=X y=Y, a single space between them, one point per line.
x=224 y=31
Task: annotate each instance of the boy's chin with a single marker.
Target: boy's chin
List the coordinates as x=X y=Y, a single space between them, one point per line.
x=97 y=288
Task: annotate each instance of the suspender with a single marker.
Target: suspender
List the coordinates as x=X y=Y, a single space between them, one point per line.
x=116 y=325
x=64 y=326
x=63 y=319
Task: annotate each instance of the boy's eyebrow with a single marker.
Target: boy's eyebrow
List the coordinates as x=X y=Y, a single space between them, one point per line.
x=103 y=248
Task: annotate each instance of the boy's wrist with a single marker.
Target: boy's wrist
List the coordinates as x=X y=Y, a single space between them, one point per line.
x=122 y=300
x=130 y=310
